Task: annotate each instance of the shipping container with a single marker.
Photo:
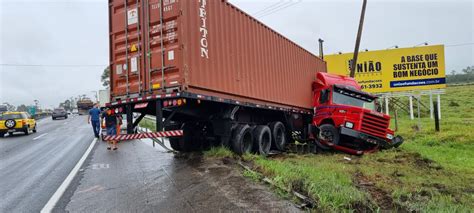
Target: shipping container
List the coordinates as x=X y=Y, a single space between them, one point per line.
x=206 y=47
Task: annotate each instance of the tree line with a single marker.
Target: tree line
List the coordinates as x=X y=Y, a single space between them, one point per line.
x=466 y=76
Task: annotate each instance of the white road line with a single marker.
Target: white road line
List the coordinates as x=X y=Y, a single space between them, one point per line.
x=40 y=136
x=60 y=191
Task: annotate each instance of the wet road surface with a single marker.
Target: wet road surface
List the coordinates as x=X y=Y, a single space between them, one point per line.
x=32 y=167
x=136 y=178
x=140 y=178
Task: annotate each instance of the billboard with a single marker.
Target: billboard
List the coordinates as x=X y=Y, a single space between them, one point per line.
x=394 y=70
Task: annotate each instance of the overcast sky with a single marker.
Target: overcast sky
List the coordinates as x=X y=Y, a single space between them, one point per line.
x=52 y=33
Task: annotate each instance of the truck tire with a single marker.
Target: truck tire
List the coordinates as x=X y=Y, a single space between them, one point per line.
x=174 y=142
x=27 y=131
x=34 y=129
x=262 y=140
x=328 y=133
x=1 y=135
x=188 y=142
x=279 y=138
x=242 y=139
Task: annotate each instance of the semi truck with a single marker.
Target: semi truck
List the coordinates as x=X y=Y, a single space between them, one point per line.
x=214 y=75
x=84 y=105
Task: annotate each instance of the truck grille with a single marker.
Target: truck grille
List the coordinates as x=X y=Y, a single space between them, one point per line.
x=374 y=125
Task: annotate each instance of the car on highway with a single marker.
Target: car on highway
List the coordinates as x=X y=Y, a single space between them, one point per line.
x=11 y=122
x=59 y=113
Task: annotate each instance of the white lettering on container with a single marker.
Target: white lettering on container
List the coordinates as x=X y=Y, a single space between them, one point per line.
x=203 y=29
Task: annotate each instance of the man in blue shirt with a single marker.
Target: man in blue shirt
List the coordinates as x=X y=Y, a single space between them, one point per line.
x=94 y=118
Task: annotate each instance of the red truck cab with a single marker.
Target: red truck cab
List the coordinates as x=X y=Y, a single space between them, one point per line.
x=347 y=118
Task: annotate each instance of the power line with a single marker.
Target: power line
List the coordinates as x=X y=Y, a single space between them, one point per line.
x=278 y=9
x=51 y=65
x=458 y=45
x=268 y=8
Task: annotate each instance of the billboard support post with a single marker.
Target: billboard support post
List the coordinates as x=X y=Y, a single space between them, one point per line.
x=419 y=113
x=386 y=106
x=431 y=105
x=439 y=106
x=436 y=112
x=412 y=117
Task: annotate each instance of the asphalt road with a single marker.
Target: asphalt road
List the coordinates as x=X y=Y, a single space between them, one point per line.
x=33 y=167
x=135 y=178
x=140 y=178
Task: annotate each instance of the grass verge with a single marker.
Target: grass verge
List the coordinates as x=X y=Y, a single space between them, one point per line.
x=431 y=171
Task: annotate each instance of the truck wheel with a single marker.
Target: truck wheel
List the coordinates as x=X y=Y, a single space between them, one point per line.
x=278 y=135
x=27 y=131
x=242 y=139
x=34 y=129
x=174 y=142
x=187 y=142
x=262 y=140
x=328 y=133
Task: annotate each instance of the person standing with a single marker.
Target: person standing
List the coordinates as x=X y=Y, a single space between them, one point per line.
x=111 y=125
x=94 y=118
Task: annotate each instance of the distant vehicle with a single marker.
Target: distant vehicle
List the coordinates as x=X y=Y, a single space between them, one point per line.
x=75 y=111
x=69 y=113
x=59 y=113
x=84 y=105
x=11 y=122
x=3 y=109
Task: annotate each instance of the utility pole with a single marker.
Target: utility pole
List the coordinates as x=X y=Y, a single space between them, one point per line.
x=359 y=35
x=321 y=51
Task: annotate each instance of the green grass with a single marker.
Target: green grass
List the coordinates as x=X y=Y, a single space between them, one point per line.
x=147 y=123
x=219 y=152
x=431 y=171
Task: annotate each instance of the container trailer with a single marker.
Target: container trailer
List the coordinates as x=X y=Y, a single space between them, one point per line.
x=214 y=75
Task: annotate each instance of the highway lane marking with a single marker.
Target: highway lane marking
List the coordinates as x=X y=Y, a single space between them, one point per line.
x=40 y=136
x=62 y=188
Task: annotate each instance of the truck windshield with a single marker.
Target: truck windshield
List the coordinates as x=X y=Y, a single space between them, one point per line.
x=343 y=99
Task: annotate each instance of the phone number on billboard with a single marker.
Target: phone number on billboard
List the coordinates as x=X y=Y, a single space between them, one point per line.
x=371 y=86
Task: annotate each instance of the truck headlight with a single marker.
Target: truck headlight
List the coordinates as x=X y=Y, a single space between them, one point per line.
x=349 y=125
x=390 y=136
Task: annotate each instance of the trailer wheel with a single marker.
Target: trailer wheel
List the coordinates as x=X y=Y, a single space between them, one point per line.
x=278 y=135
x=329 y=133
x=242 y=139
x=174 y=143
x=262 y=140
x=188 y=142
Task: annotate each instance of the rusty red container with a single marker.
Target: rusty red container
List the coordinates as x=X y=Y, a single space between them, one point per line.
x=209 y=47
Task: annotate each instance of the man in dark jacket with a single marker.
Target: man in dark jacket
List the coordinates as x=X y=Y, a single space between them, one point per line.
x=111 y=125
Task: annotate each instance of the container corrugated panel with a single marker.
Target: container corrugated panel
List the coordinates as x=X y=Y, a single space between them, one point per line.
x=210 y=48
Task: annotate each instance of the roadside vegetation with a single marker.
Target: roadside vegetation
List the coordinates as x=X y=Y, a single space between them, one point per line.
x=148 y=124
x=431 y=171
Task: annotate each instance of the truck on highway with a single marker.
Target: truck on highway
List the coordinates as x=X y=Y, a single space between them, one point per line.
x=214 y=75
x=84 y=105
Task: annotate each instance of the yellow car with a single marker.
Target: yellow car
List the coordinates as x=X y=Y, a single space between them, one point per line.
x=11 y=122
